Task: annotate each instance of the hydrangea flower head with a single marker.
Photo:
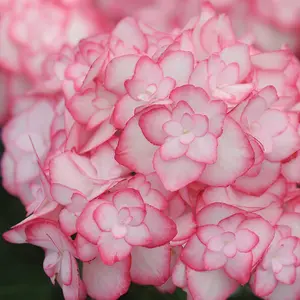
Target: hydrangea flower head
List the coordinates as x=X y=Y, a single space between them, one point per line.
x=162 y=158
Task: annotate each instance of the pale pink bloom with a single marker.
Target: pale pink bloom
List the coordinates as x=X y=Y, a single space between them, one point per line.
x=29 y=43
x=106 y=282
x=148 y=86
x=292 y=205
x=27 y=138
x=183 y=216
x=169 y=286
x=41 y=201
x=159 y=158
x=73 y=67
x=48 y=82
x=92 y=106
x=70 y=213
x=277 y=275
x=59 y=264
x=269 y=23
x=123 y=222
x=121 y=225
x=183 y=130
x=278 y=69
x=224 y=76
x=283 y=13
x=290 y=168
x=224 y=251
x=91 y=110
x=269 y=205
x=258 y=178
x=71 y=173
x=160 y=14
x=159 y=260
x=150 y=189
x=191 y=192
x=25 y=45
x=272 y=127
x=183 y=148
x=292 y=193
x=209 y=33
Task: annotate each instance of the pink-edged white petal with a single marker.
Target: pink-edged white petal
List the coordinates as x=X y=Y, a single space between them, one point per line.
x=133 y=144
x=128 y=198
x=215 y=285
x=215 y=212
x=150 y=266
x=239 y=267
x=265 y=232
x=179 y=274
x=263 y=282
x=177 y=173
x=85 y=250
x=152 y=125
x=233 y=145
x=287 y=275
x=105 y=216
x=199 y=76
x=173 y=148
x=47 y=235
x=138 y=235
x=206 y=232
x=128 y=31
x=124 y=111
x=66 y=271
x=256 y=185
x=61 y=194
x=106 y=282
x=203 y=149
x=240 y=54
x=172 y=66
x=98 y=136
x=214 y=260
x=148 y=71
x=246 y=240
x=290 y=169
x=173 y=128
x=275 y=60
x=193 y=252
x=186 y=227
x=50 y=262
x=118 y=71
x=284 y=144
x=164 y=88
x=112 y=249
x=67 y=222
x=86 y=225
x=162 y=229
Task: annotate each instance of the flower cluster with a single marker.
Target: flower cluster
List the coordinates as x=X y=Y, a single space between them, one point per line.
x=30 y=30
x=165 y=159
x=269 y=23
